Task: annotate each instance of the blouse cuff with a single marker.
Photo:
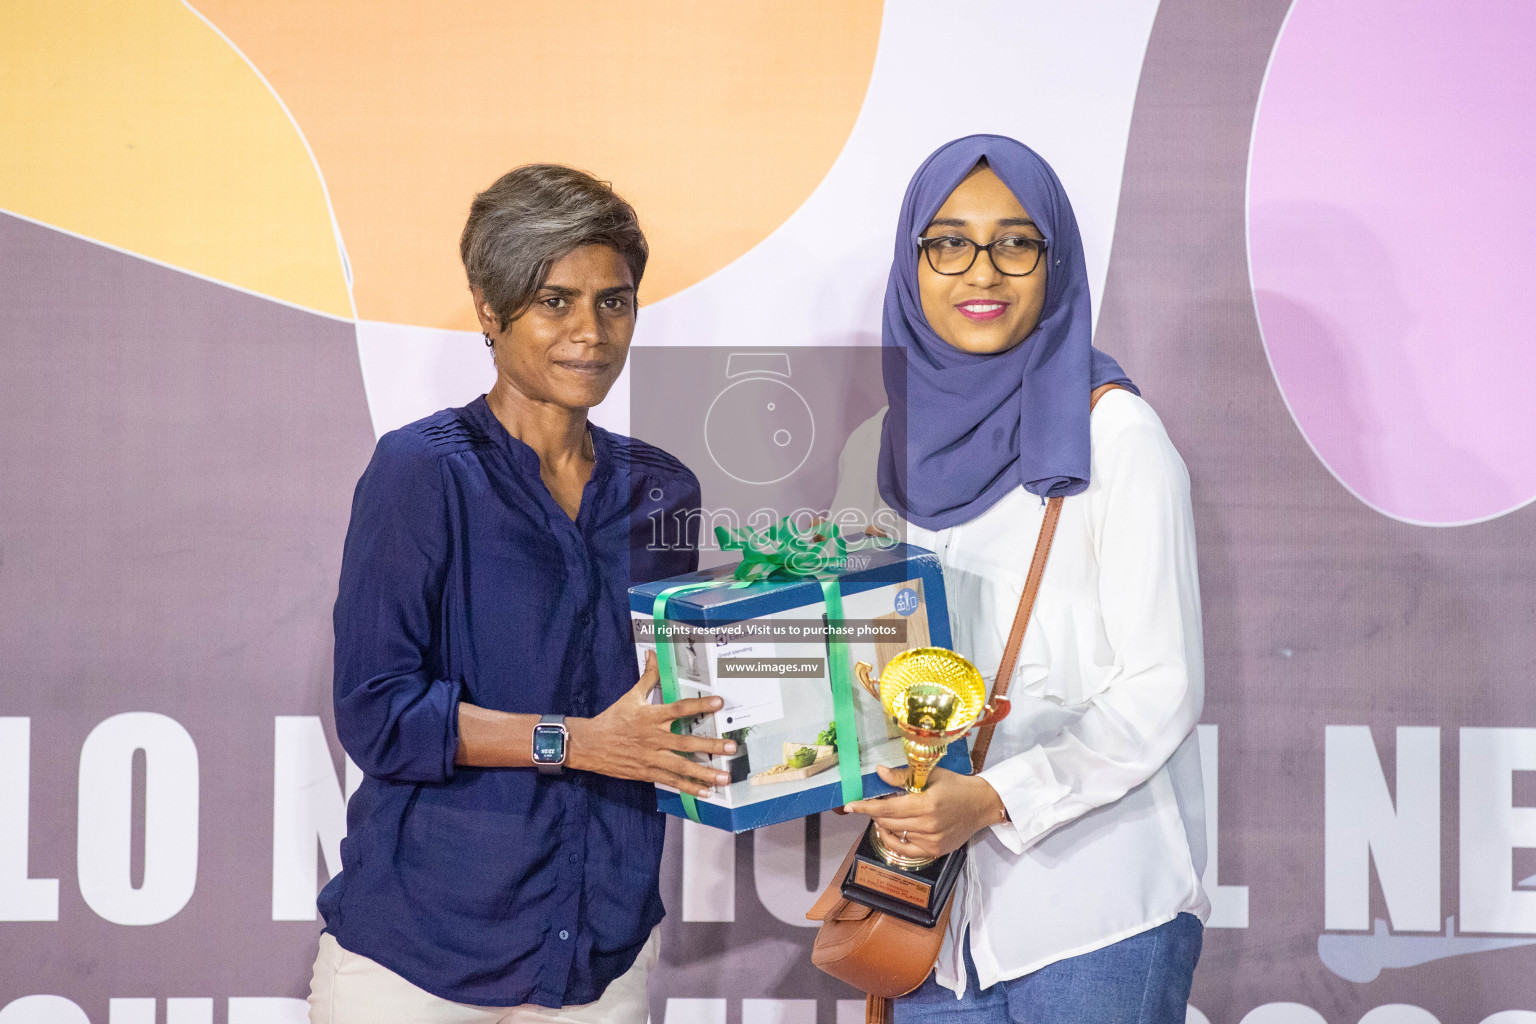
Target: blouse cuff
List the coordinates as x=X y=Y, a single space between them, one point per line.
x=418 y=742
x=451 y=740
x=1029 y=790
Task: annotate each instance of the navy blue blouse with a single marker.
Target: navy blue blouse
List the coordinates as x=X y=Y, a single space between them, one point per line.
x=463 y=580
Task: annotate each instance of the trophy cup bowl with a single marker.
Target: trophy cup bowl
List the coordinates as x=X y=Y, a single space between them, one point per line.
x=934 y=696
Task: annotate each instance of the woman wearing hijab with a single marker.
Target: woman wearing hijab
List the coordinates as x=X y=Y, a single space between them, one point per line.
x=1081 y=899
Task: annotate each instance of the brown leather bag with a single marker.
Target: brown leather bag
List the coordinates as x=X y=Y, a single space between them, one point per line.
x=882 y=955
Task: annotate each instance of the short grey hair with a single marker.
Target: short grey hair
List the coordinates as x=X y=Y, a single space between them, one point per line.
x=532 y=217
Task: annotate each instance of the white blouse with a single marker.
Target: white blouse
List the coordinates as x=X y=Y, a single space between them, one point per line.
x=1098 y=763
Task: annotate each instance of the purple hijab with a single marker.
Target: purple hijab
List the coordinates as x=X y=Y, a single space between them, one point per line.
x=963 y=429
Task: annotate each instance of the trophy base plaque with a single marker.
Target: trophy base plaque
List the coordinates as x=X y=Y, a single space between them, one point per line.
x=912 y=894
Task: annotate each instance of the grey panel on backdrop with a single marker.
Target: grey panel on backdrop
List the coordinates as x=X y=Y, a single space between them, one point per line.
x=175 y=477
x=762 y=429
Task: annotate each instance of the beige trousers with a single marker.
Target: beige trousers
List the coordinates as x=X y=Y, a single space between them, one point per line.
x=348 y=988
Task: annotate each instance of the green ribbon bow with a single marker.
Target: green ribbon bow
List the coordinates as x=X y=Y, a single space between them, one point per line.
x=788 y=554
x=785 y=551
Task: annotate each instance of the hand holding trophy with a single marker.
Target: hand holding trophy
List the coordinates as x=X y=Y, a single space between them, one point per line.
x=934 y=696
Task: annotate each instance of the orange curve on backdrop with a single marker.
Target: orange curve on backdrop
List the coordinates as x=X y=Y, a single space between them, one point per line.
x=716 y=120
x=133 y=124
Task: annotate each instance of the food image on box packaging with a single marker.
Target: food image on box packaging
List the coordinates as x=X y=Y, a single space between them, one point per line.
x=800 y=762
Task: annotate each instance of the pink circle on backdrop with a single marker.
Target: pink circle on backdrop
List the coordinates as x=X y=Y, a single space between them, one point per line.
x=1392 y=246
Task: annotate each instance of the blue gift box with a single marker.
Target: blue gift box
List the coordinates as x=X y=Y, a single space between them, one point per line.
x=892 y=599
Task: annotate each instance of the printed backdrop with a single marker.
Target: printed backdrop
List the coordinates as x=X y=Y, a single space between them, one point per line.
x=228 y=262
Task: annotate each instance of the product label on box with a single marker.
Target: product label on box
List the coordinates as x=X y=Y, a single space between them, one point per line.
x=642 y=648
x=749 y=700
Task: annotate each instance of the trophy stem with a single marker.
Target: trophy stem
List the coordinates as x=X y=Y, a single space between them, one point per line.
x=921 y=759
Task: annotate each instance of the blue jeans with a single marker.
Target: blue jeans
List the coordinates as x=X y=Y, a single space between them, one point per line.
x=1140 y=980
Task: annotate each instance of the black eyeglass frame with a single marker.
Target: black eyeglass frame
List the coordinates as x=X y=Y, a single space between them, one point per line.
x=924 y=243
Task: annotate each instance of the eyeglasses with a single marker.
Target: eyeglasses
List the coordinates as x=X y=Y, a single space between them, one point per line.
x=1013 y=255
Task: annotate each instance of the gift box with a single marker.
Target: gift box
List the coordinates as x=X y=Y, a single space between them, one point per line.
x=777 y=638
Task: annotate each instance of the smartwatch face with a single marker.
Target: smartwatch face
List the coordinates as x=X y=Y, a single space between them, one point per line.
x=548 y=744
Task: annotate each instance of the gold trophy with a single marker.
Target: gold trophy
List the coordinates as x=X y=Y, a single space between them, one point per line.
x=935 y=697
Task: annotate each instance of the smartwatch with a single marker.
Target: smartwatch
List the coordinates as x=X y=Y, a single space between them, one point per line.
x=549 y=744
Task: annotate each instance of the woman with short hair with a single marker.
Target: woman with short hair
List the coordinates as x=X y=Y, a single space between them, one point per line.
x=502 y=852
x=1081 y=898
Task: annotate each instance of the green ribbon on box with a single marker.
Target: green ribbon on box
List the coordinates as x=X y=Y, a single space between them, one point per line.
x=784 y=550
x=666 y=671
x=783 y=554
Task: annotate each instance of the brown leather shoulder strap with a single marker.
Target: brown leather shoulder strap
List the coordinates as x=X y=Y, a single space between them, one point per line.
x=1026 y=605
x=1020 y=621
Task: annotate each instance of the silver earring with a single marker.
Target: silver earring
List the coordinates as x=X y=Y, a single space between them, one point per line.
x=487 y=336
